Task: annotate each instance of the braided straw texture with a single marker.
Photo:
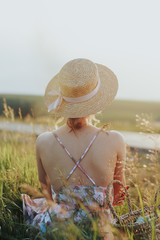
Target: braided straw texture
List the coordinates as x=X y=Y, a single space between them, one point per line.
x=78 y=78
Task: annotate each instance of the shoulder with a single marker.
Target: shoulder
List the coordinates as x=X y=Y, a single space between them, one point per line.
x=116 y=135
x=117 y=138
x=43 y=138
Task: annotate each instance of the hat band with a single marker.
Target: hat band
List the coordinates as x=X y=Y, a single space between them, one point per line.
x=56 y=104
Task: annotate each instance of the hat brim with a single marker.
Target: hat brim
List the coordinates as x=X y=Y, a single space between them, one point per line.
x=105 y=95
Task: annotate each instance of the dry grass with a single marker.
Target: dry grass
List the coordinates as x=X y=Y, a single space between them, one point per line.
x=18 y=168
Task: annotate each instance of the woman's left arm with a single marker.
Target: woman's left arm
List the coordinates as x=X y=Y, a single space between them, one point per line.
x=43 y=178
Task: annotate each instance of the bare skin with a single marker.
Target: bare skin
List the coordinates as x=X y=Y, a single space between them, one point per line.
x=103 y=163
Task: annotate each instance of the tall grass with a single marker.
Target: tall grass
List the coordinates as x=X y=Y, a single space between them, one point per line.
x=18 y=172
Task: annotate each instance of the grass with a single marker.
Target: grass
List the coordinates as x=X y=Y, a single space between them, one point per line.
x=18 y=167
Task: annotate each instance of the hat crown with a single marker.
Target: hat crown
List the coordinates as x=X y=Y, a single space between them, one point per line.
x=78 y=78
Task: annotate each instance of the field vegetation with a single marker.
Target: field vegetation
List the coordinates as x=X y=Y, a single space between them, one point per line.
x=18 y=173
x=121 y=113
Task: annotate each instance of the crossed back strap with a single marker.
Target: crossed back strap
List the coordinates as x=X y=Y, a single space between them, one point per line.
x=77 y=163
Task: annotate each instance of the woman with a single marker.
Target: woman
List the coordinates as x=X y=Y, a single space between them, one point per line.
x=79 y=156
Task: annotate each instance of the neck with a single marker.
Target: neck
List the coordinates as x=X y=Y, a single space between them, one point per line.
x=77 y=123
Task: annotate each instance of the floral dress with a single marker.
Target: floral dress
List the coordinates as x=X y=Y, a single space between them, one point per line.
x=74 y=202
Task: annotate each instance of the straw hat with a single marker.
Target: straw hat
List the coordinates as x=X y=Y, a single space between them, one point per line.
x=81 y=88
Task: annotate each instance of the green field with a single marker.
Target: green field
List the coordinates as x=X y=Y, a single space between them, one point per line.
x=121 y=113
x=18 y=167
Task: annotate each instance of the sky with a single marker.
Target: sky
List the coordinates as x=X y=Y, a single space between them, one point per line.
x=37 y=37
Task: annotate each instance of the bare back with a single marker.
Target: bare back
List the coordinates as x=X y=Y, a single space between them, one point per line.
x=103 y=162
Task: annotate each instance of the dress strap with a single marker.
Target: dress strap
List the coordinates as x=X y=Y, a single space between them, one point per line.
x=83 y=155
x=69 y=154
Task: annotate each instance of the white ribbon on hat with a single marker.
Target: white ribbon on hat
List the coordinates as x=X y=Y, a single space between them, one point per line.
x=56 y=104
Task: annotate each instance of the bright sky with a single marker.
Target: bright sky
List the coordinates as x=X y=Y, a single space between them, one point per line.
x=37 y=37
